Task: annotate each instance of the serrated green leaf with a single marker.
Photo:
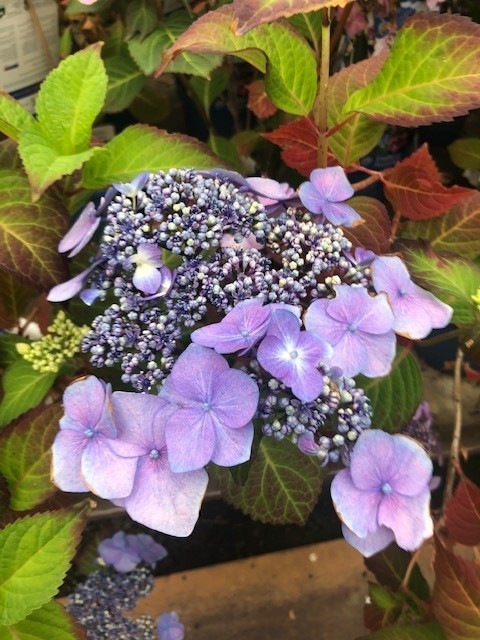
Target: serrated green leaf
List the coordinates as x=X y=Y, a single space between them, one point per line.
x=148 y=52
x=70 y=98
x=50 y=621
x=24 y=388
x=455 y=231
x=25 y=457
x=453 y=280
x=142 y=148
x=13 y=117
x=125 y=81
x=282 y=487
x=36 y=554
x=395 y=397
x=290 y=81
x=8 y=349
x=141 y=18
x=207 y=91
x=30 y=233
x=310 y=26
x=416 y=631
x=441 y=83
x=465 y=153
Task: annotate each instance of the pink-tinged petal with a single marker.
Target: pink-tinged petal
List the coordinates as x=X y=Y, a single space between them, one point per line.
x=354 y=305
x=190 y=435
x=67 y=452
x=285 y=326
x=313 y=348
x=390 y=274
x=320 y=322
x=271 y=189
x=412 y=469
x=140 y=419
x=372 y=543
x=306 y=443
x=311 y=198
x=235 y=398
x=106 y=474
x=67 y=290
x=409 y=518
x=281 y=306
x=233 y=446
x=195 y=372
x=84 y=404
x=165 y=501
x=341 y=214
x=349 y=354
x=224 y=337
x=356 y=508
x=274 y=358
x=379 y=354
x=332 y=183
x=307 y=384
x=372 y=460
x=147 y=279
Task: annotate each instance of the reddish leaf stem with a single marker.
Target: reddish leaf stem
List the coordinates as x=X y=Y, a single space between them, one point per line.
x=457 y=429
x=363 y=184
x=339 y=125
x=321 y=106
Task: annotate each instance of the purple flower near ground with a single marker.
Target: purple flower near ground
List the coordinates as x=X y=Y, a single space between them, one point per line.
x=214 y=409
x=150 y=274
x=149 y=551
x=384 y=495
x=119 y=553
x=358 y=326
x=82 y=459
x=416 y=311
x=292 y=356
x=241 y=328
x=169 y=627
x=159 y=499
x=70 y=288
x=325 y=193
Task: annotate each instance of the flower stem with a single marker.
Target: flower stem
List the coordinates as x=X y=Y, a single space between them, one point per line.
x=320 y=110
x=457 y=429
x=363 y=184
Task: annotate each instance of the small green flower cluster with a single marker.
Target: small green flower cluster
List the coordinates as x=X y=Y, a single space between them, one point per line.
x=60 y=344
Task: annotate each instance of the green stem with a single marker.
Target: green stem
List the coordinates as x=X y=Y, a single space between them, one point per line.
x=321 y=106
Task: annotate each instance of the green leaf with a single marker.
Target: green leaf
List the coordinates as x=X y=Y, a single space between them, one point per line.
x=207 y=91
x=24 y=388
x=50 y=621
x=141 y=18
x=36 y=554
x=456 y=231
x=415 y=631
x=465 y=153
x=142 y=148
x=310 y=26
x=13 y=117
x=30 y=233
x=441 y=82
x=283 y=484
x=290 y=81
x=8 y=349
x=359 y=135
x=395 y=397
x=125 y=81
x=453 y=280
x=25 y=457
x=225 y=150
x=390 y=566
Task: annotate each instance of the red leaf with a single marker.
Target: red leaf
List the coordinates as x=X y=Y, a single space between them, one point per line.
x=415 y=189
x=299 y=143
x=456 y=595
x=374 y=234
x=463 y=514
x=258 y=101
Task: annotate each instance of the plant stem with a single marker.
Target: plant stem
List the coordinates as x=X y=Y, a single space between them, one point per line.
x=457 y=429
x=440 y=338
x=363 y=184
x=188 y=8
x=320 y=111
x=410 y=568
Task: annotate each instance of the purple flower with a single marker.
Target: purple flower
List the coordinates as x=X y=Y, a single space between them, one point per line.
x=150 y=274
x=169 y=627
x=416 y=311
x=130 y=189
x=215 y=406
x=358 y=326
x=119 y=553
x=81 y=231
x=82 y=457
x=325 y=193
x=146 y=547
x=241 y=328
x=292 y=356
x=384 y=495
x=274 y=196
x=159 y=499
x=70 y=288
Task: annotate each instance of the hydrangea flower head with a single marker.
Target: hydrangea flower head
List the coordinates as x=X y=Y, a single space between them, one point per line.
x=214 y=409
x=358 y=326
x=416 y=311
x=169 y=627
x=384 y=495
x=293 y=356
x=159 y=499
x=325 y=194
x=241 y=328
x=81 y=451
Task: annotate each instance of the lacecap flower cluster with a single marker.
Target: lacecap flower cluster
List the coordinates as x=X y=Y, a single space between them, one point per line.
x=230 y=304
